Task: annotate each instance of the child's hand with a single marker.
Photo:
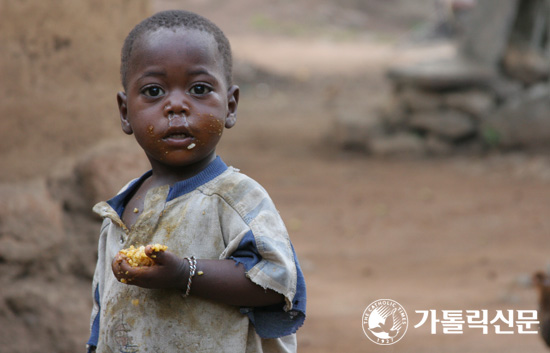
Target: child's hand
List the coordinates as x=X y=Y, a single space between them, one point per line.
x=168 y=270
x=225 y=281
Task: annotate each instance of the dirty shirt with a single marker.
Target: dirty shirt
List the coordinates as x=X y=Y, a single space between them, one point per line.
x=218 y=214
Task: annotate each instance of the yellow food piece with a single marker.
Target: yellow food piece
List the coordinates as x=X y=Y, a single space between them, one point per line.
x=136 y=256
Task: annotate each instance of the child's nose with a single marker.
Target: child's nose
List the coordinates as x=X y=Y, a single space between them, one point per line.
x=176 y=105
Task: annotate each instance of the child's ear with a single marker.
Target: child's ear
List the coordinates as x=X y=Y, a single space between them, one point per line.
x=232 y=103
x=123 y=110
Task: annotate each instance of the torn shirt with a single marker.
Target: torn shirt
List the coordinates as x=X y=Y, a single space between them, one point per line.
x=218 y=214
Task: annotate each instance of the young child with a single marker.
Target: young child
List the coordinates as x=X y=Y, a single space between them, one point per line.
x=230 y=280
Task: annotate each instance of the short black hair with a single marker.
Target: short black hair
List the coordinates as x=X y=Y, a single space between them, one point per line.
x=176 y=19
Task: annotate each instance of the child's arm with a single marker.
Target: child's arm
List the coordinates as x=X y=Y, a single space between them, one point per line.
x=221 y=280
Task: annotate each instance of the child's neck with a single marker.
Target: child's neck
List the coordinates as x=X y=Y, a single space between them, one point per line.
x=169 y=175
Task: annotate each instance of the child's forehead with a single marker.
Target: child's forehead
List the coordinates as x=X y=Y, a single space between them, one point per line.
x=165 y=44
x=163 y=49
x=179 y=36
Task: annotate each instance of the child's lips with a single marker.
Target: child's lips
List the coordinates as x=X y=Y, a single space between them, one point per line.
x=178 y=139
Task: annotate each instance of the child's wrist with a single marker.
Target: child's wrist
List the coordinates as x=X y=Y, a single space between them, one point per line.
x=191 y=271
x=183 y=275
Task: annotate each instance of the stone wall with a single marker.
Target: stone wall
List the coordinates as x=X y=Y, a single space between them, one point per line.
x=494 y=94
x=59 y=67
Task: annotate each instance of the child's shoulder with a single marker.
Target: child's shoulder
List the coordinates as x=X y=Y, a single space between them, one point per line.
x=235 y=185
x=234 y=181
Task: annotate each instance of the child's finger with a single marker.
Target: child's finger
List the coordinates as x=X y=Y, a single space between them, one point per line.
x=117 y=262
x=154 y=253
x=122 y=269
x=118 y=267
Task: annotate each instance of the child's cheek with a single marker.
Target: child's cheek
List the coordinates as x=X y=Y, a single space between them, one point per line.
x=215 y=127
x=207 y=123
x=152 y=141
x=153 y=137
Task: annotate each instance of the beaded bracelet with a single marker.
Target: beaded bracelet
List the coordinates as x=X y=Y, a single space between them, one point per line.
x=192 y=268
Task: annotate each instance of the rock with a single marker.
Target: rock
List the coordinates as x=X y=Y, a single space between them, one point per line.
x=416 y=100
x=65 y=187
x=353 y=129
x=476 y=103
x=505 y=89
x=446 y=123
x=31 y=224
x=393 y=112
x=526 y=64
x=400 y=143
x=30 y=308
x=79 y=183
x=104 y=170
x=444 y=74
x=521 y=123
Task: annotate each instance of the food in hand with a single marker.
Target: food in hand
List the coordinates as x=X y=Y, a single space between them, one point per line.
x=136 y=256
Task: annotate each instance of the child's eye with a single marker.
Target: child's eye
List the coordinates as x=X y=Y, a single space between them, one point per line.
x=200 y=90
x=153 y=91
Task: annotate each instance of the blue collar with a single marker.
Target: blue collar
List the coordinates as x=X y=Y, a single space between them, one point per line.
x=215 y=168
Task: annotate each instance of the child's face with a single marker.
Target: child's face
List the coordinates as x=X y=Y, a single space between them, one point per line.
x=177 y=102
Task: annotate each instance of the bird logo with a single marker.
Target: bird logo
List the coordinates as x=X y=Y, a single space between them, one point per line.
x=388 y=326
x=385 y=321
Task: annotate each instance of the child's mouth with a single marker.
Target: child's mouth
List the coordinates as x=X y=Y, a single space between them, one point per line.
x=176 y=137
x=180 y=139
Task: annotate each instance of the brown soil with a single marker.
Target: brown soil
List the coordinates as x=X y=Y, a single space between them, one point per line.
x=463 y=232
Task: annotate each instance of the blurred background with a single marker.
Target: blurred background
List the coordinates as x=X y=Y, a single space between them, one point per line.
x=404 y=143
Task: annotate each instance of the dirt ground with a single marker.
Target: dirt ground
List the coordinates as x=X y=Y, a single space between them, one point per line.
x=458 y=233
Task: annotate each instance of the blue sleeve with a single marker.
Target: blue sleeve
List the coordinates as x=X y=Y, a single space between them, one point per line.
x=272 y=321
x=94 y=334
